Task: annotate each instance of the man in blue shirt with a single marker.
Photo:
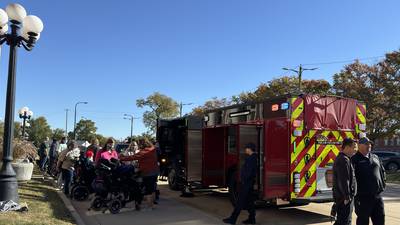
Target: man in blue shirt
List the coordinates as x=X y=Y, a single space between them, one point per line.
x=245 y=200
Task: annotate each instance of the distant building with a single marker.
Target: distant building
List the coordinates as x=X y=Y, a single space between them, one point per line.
x=388 y=144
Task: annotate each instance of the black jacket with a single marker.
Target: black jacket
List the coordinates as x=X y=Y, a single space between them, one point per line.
x=370 y=174
x=248 y=172
x=344 y=180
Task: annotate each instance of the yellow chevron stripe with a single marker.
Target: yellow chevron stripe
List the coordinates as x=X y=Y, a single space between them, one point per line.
x=297 y=112
x=360 y=116
x=337 y=135
x=302 y=145
x=349 y=134
x=311 y=189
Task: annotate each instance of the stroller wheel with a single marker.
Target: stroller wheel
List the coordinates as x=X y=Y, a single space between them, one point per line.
x=80 y=193
x=97 y=204
x=115 y=206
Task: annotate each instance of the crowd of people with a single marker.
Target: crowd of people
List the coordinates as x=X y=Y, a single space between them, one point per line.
x=59 y=159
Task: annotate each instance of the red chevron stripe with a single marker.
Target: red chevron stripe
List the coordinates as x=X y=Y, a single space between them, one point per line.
x=302 y=154
x=306 y=187
x=363 y=110
x=296 y=103
x=331 y=155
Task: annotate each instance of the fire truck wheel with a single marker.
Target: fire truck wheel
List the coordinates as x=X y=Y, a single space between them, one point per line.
x=172 y=180
x=233 y=189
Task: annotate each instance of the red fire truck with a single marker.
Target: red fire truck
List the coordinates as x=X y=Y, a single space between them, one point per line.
x=297 y=139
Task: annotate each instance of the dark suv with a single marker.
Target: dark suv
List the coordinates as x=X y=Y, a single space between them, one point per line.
x=390 y=160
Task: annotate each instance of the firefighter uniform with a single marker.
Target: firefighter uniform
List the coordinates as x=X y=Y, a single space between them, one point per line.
x=246 y=196
x=371 y=182
x=344 y=188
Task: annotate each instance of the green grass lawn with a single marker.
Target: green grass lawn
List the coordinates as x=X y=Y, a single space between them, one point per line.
x=45 y=206
x=393 y=177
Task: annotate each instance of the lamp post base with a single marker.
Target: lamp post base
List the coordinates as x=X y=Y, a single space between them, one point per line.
x=8 y=183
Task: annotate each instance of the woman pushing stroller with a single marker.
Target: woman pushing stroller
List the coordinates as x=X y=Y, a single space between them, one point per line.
x=148 y=166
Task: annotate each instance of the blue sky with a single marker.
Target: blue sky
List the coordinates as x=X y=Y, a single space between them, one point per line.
x=111 y=53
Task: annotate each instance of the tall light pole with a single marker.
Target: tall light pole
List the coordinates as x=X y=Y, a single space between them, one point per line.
x=131 y=118
x=299 y=73
x=66 y=122
x=181 y=107
x=76 y=105
x=25 y=31
x=24 y=114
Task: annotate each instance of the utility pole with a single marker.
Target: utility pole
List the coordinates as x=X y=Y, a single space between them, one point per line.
x=131 y=118
x=299 y=73
x=66 y=122
x=181 y=107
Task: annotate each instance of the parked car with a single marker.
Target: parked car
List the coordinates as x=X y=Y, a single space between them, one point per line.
x=390 y=160
x=121 y=147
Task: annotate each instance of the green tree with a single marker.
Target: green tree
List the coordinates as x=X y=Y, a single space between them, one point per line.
x=378 y=86
x=38 y=130
x=102 y=139
x=161 y=106
x=58 y=133
x=85 y=130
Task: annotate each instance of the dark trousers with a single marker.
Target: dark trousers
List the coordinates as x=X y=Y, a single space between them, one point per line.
x=245 y=201
x=67 y=176
x=343 y=213
x=370 y=207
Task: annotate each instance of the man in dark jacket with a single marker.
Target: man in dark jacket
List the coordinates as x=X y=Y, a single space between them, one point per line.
x=344 y=183
x=245 y=199
x=371 y=182
x=52 y=154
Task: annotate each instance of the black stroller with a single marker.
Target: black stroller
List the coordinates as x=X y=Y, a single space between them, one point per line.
x=85 y=174
x=115 y=186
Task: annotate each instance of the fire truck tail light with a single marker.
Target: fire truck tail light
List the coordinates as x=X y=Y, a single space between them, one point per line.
x=296 y=182
x=362 y=126
x=297 y=133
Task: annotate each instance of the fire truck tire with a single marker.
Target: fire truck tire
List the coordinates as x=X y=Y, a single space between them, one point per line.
x=173 y=180
x=233 y=189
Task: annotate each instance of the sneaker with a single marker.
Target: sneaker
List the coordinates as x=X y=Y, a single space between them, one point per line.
x=229 y=220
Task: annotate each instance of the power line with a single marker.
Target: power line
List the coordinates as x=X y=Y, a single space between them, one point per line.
x=343 y=61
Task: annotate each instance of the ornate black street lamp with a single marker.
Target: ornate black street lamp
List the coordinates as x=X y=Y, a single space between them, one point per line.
x=24 y=114
x=25 y=31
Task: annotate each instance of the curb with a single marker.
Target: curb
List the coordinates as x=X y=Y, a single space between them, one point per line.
x=71 y=209
x=68 y=204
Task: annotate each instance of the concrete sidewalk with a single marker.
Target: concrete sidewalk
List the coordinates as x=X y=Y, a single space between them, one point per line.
x=167 y=212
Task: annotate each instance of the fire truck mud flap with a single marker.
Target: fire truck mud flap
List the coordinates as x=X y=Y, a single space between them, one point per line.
x=319 y=198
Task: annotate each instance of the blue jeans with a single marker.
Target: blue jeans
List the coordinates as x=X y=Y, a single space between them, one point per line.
x=43 y=162
x=67 y=176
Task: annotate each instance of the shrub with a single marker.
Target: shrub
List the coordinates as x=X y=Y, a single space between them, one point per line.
x=22 y=150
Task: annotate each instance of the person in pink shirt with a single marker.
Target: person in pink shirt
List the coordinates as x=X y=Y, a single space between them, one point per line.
x=108 y=152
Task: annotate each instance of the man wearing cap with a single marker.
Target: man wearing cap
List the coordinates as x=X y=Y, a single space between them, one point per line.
x=245 y=199
x=344 y=183
x=371 y=182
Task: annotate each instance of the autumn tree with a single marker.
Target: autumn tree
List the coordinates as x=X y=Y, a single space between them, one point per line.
x=210 y=105
x=283 y=86
x=161 y=106
x=378 y=86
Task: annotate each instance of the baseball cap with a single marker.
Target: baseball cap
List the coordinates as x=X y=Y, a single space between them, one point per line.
x=251 y=146
x=347 y=142
x=365 y=141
